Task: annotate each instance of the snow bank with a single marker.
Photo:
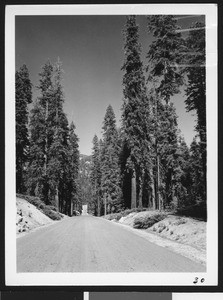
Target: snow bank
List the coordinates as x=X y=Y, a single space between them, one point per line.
x=183 y=230
x=129 y=219
x=188 y=234
x=29 y=217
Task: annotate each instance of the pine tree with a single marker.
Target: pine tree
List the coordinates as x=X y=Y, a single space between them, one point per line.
x=51 y=162
x=198 y=186
x=101 y=161
x=168 y=148
x=36 y=153
x=183 y=181
x=85 y=195
x=23 y=98
x=73 y=168
x=110 y=163
x=165 y=55
x=196 y=87
x=58 y=152
x=96 y=175
x=126 y=177
x=41 y=136
x=165 y=78
x=135 y=111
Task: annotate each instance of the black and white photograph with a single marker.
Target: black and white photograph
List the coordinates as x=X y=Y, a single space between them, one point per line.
x=111 y=148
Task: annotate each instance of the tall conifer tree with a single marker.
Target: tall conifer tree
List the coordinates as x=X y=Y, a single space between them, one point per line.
x=96 y=175
x=196 y=88
x=165 y=77
x=58 y=152
x=23 y=98
x=165 y=55
x=198 y=186
x=50 y=152
x=110 y=163
x=72 y=171
x=41 y=135
x=135 y=111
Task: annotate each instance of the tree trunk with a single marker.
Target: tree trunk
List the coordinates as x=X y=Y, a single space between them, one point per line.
x=133 y=191
x=141 y=184
x=140 y=196
x=98 y=206
x=157 y=177
x=158 y=183
x=36 y=192
x=152 y=186
x=46 y=139
x=105 y=205
x=71 y=208
x=57 y=200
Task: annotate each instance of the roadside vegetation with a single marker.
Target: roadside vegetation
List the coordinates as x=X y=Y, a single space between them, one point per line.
x=48 y=210
x=137 y=218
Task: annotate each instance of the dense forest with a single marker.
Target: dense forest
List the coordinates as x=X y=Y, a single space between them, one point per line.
x=143 y=163
x=47 y=155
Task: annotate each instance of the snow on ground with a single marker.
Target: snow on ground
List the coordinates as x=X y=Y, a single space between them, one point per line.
x=182 y=249
x=29 y=217
x=129 y=219
x=183 y=230
x=183 y=235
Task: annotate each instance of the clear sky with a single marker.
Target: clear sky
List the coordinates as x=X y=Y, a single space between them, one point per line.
x=91 y=51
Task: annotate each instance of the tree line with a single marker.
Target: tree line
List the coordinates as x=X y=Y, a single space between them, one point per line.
x=146 y=162
x=47 y=155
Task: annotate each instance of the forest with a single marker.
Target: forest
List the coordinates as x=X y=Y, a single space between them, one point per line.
x=145 y=162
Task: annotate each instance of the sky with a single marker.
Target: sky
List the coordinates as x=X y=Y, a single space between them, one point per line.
x=91 y=51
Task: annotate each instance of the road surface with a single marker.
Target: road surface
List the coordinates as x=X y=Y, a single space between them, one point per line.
x=91 y=244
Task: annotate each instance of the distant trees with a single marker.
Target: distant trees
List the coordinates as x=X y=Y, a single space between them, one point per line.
x=85 y=193
x=73 y=170
x=105 y=173
x=52 y=163
x=110 y=178
x=96 y=176
x=23 y=97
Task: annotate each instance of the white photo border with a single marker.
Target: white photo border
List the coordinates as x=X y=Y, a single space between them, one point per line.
x=112 y=279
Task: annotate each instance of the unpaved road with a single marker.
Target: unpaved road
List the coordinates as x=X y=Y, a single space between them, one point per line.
x=90 y=244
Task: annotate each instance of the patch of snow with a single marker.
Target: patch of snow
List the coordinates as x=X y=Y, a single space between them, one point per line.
x=185 y=250
x=28 y=217
x=183 y=235
x=183 y=230
x=129 y=219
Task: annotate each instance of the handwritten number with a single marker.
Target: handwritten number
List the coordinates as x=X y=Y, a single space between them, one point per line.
x=196 y=280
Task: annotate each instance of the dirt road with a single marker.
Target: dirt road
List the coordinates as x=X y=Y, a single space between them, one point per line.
x=90 y=244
